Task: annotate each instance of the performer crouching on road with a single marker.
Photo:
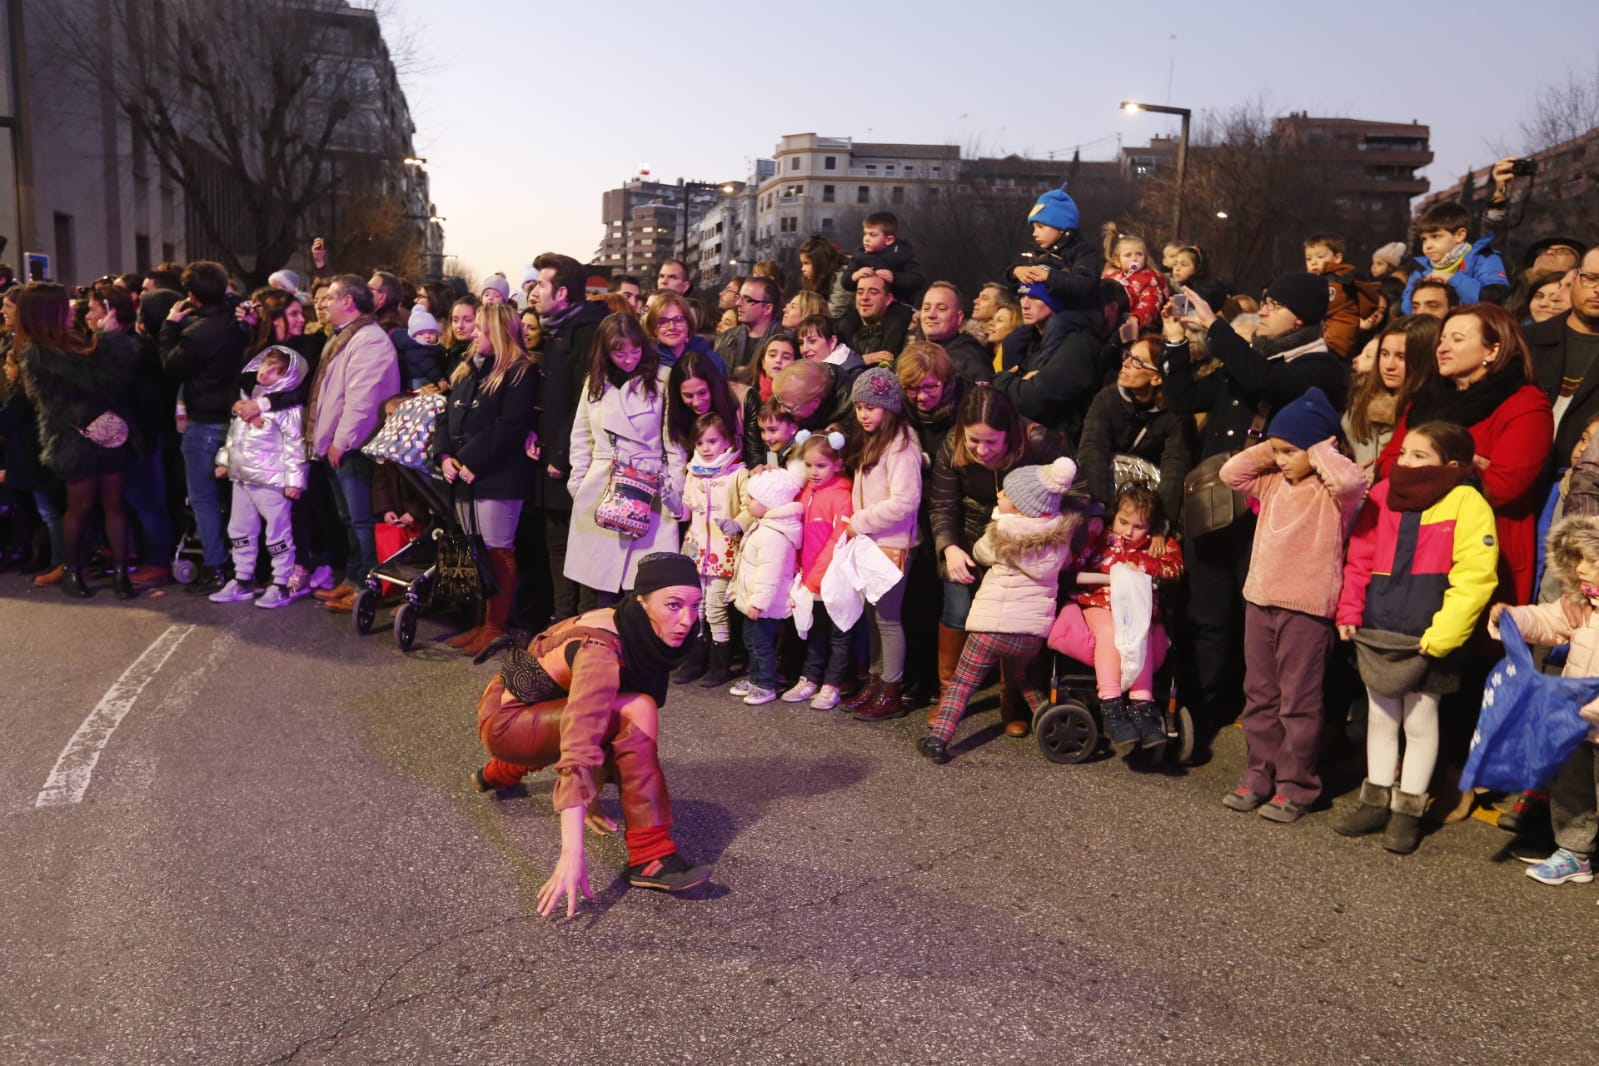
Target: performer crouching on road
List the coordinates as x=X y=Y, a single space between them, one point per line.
x=585 y=696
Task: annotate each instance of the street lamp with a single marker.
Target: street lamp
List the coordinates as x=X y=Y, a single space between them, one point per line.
x=726 y=188
x=1133 y=107
x=414 y=161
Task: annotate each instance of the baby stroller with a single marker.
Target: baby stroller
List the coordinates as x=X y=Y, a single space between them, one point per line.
x=452 y=580
x=1069 y=730
x=454 y=577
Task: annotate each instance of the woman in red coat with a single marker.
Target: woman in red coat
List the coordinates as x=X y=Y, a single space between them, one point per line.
x=1485 y=384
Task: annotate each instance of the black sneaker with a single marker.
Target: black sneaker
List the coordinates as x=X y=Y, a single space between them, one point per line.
x=670 y=874
x=210 y=579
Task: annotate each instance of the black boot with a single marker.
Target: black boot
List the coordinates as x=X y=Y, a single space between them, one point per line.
x=698 y=662
x=1120 y=730
x=721 y=671
x=122 y=584
x=1147 y=722
x=1370 y=816
x=72 y=583
x=1404 y=823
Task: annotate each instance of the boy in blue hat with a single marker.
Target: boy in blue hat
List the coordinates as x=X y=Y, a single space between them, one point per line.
x=1068 y=266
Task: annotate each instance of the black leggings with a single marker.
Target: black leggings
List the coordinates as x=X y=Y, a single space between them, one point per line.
x=81 y=494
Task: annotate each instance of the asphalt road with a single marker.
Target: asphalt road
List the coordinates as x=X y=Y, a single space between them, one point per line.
x=278 y=857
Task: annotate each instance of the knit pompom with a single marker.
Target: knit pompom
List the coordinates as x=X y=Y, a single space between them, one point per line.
x=1059 y=475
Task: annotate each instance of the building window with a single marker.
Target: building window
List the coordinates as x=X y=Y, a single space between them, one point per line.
x=827 y=223
x=829 y=194
x=863 y=194
x=899 y=194
x=871 y=168
x=141 y=248
x=793 y=162
x=830 y=162
x=909 y=170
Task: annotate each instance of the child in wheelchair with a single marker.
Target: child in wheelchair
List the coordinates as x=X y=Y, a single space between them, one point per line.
x=1085 y=629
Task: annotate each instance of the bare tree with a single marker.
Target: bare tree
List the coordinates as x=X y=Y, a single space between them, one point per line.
x=1563 y=111
x=248 y=106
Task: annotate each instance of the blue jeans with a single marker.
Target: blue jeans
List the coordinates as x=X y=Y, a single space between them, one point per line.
x=352 y=495
x=957 y=604
x=200 y=443
x=760 y=640
x=145 y=490
x=50 y=514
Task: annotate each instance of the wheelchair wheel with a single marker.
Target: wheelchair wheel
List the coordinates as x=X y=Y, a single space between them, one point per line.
x=1181 y=747
x=1066 y=732
x=405 y=626
x=183 y=571
x=366 y=611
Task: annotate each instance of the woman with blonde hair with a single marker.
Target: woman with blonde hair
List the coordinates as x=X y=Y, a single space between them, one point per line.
x=486 y=441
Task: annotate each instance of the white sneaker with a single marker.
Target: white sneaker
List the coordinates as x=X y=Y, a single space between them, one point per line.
x=827 y=698
x=757 y=696
x=232 y=592
x=274 y=596
x=800 y=692
x=322 y=578
x=741 y=687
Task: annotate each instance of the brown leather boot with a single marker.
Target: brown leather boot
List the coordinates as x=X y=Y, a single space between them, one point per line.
x=1012 y=703
x=951 y=642
x=867 y=695
x=467 y=636
x=886 y=706
x=498 y=609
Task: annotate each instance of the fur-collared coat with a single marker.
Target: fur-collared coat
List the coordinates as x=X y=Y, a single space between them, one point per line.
x=69 y=392
x=1024 y=556
x=1572 y=618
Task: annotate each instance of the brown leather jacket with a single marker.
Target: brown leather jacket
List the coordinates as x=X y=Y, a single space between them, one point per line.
x=584 y=656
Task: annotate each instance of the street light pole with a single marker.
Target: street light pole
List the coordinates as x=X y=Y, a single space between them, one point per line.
x=1132 y=106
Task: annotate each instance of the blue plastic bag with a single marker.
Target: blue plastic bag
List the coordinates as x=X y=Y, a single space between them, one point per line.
x=1529 y=724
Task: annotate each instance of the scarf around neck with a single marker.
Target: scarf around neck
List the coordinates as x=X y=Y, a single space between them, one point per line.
x=1452 y=260
x=1416 y=488
x=647 y=660
x=1272 y=347
x=1440 y=399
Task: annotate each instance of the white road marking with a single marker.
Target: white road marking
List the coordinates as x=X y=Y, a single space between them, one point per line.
x=70 y=778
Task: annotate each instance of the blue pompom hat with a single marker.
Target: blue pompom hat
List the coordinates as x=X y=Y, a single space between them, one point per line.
x=1056 y=209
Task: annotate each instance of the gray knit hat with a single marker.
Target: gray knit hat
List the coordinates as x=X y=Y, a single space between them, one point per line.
x=1393 y=254
x=879 y=387
x=1036 y=490
x=498 y=283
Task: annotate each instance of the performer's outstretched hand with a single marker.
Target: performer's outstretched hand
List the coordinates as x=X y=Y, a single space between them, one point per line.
x=571 y=874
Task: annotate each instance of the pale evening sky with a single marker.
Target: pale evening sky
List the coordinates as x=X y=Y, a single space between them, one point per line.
x=528 y=111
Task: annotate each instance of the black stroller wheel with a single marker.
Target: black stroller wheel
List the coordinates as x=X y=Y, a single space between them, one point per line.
x=366 y=611
x=405 y=626
x=183 y=571
x=1066 y=732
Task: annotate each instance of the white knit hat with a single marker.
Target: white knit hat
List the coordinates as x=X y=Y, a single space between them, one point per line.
x=774 y=487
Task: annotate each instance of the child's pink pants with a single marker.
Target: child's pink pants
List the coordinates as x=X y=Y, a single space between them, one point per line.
x=1089 y=636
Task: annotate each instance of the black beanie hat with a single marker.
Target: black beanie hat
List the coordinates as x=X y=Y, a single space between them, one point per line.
x=664 y=570
x=1304 y=294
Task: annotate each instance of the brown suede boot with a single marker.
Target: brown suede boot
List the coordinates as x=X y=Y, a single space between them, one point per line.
x=867 y=695
x=498 y=609
x=886 y=706
x=467 y=636
x=951 y=642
